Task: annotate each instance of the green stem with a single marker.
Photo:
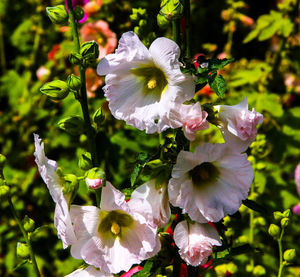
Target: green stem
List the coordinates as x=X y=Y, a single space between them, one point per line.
x=83 y=94
x=281 y=265
x=2 y=50
x=187 y=9
x=251 y=227
x=14 y=212
x=176 y=31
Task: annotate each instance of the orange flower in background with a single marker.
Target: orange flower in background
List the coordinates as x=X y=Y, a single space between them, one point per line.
x=93 y=81
x=100 y=32
x=92 y=7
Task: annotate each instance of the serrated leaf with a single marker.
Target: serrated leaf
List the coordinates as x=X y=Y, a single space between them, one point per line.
x=218 y=85
x=135 y=174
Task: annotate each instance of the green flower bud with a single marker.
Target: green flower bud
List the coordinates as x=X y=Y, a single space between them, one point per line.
x=134 y=17
x=162 y=22
x=226 y=220
x=2 y=161
x=232 y=268
x=289 y=255
x=136 y=29
x=85 y=161
x=95 y=178
x=274 y=231
x=23 y=250
x=73 y=125
x=259 y=270
x=28 y=224
x=249 y=268
x=58 y=14
x=71 y=183
x=171 y=9
x=287 y=213
x=79 y=13
x=98 y=116
x=278 y=215
x=142 y=22
x=75 y=58
x=259 y=221
x=89 y=51
x=55 y=90
x=284 y=222
x=74 y=82
x=4 y=191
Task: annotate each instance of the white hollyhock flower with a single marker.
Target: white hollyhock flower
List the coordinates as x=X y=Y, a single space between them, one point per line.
x=238 y=124
x=47 y=169
x=158 y=198
x=195 y=241
x=142 y=85
x=116 y=236
x=210 y=182
x=190 y=117
x=89 y=271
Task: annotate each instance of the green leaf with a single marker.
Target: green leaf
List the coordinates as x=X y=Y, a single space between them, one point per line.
x=146 y=271
x=142 y=160
x=216 y=64
x=218 y=85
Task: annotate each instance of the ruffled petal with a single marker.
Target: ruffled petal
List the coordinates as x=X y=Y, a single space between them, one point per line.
x=90 y=271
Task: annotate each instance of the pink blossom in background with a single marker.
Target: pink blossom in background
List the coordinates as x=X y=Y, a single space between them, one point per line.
x=296 y=209
x=93 y=82
x=92 y=7
x=42 y=73
x=100 y=32
x=80 y=3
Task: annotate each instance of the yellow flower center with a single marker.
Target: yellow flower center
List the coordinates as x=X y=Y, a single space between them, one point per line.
x=115 y=228
x=151 y=83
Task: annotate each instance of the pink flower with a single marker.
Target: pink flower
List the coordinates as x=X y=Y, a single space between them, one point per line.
x=191 y=118
x=100 y=32
x=238 y=124
x=42 y=73
x=92 y=7
x=89 y=271
x=132 y=271
x=93 y=82
x=116 y=236
x=195 y=242
x=296 y=209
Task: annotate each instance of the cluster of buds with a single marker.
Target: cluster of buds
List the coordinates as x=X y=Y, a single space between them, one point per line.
x=88 y=57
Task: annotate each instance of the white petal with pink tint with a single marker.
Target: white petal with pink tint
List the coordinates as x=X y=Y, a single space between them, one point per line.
x=89 y=271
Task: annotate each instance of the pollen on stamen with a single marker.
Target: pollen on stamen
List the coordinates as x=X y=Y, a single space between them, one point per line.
x=115 y=228
x=151 y=83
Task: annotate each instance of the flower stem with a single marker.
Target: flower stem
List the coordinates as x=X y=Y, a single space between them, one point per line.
x=281 y=265
x=187 y=10
x=176 y=31
x=83 y=95
x=2 y=50
x=32 y=257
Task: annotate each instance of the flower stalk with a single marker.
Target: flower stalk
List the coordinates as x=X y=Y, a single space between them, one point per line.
x=27 y=240
x=281 y=263
x=187 y=11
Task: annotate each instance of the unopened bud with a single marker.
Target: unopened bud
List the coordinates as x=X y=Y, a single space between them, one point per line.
x=89 y=51
x=95 y=178
x=23 y=250
x=287 y=213
x=278 y=215
x=74 y=82
x=259 y=221
x=79 y=13
x=259 y=270
x=55 y=90
x=289 y=255
x=2 y=161
x=4 y=191
x=75 y=58
x=73 y=125
x=85 y=161
x=274 y=231
x=28 y=224
x=98 y=116
x=71 y=183
x=58 y=14
x=142 y=22
x=232 y=268
x=284 y=222
x=162 y=22
x=136 y=29
x=171 y=9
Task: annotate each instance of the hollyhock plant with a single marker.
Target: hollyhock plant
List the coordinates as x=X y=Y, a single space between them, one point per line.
x=117 y=235
x=89 y=271
x=142 y=85
x=195 y=241
x=191 y=118
x=48 y=172
x=215 y=178
x=100 y=32
x=238 y=124
x=157 y=196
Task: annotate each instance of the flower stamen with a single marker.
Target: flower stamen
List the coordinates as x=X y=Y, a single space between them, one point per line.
x=152 y=83
x=115 y=228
